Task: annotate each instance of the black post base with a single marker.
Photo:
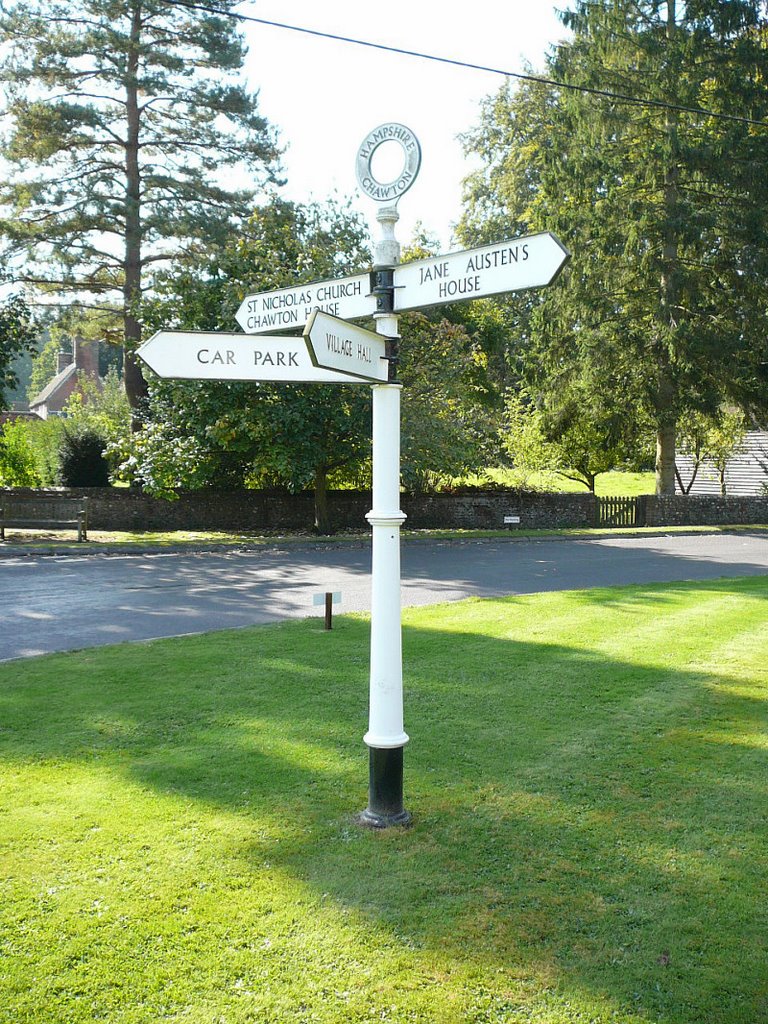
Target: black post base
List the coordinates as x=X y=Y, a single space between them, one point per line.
x=385 y=790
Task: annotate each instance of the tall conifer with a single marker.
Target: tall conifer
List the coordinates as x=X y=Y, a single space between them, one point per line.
x=122 y=116
x=663 y=206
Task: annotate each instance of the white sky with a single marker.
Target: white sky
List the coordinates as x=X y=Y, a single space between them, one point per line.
x=326 y=96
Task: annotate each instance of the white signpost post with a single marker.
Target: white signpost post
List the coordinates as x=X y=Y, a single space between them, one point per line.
x=334 y=351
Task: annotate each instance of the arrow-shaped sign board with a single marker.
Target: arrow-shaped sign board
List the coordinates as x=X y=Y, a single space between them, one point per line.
x=529 y=262
x=347 y=297
x=336 y=345
x=196 y=355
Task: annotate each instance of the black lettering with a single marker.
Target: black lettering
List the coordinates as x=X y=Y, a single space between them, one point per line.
x=464 y=286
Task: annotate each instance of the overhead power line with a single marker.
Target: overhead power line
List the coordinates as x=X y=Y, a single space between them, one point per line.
x=616 y=97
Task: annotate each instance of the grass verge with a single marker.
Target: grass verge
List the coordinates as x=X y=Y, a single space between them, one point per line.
x=586 y=774
x=62 y=541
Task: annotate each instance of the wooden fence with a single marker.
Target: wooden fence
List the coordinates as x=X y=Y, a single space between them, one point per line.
x=620 y=512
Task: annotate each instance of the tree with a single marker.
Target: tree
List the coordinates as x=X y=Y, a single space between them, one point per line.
x=82 y=459
x=45 y=364
x=17 y=335
x=18 y=464
x=225 y=434
x=123 y=116
x=449 y=419
x=710 y=439
x=574 y=437
x=663 y=207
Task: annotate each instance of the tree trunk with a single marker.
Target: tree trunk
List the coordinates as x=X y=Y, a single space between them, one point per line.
x=322 y=520
x=691 y=482
x=665 y=458
x=669 y=301
x=135 y=385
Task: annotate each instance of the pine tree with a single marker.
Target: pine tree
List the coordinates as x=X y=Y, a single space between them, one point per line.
x=123 y=115
x=663 y=207
x=17 y=336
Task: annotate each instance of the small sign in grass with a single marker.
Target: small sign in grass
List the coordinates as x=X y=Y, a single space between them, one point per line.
x=587 y=779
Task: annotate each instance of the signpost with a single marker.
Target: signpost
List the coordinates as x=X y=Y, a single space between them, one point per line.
x=290 y=308
x=334 y=351
x=530 y=262
x=195 y=355
x=336 y=345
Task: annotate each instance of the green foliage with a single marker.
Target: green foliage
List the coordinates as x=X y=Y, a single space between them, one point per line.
x=713 y=439
x=95 y=409
x=101 y=407
x=282 y=244
x=261 y=434
x=448 y=421
x=21 y=368
x=81 y=457
x=524 y=441
x=17 y=336
x=662 y=309
x=97 y=416
x=45 y=363
x=160 y=460
x=121 y=119
x=45 y=440
x=18 y=463
x=575 y=437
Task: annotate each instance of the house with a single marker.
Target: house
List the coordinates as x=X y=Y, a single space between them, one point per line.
x=83 y=364
x=746 y=472
x=15 y=413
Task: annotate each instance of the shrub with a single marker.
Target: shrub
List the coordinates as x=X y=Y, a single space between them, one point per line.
x=18 y=465
x=82 y=459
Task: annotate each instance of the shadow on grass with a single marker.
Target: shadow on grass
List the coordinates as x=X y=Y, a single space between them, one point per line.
x=583 y=822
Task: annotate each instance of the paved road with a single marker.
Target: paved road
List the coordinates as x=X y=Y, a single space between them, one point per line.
x=62 y=603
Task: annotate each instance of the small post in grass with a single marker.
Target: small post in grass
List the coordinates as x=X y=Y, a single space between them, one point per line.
x=328 y=599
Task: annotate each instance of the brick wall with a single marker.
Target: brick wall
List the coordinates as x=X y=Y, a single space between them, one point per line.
x=122 y=509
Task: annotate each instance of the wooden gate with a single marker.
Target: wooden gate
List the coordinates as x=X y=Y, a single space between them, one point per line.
x=617 y=512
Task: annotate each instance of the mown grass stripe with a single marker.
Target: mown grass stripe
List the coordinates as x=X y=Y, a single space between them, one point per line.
x=586 y=773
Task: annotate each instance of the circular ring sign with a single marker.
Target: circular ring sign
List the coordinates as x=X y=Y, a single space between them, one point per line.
x=388 y=191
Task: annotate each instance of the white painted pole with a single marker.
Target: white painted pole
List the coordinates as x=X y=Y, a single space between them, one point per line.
x=385 y=721
x=386 y=735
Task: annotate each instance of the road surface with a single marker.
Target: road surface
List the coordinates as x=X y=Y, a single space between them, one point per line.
x=50 y=603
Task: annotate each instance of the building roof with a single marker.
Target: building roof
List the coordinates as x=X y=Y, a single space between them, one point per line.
x=53 y=385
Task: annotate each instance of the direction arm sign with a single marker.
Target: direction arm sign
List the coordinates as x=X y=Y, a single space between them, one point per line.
x=337 y=345
x=197 y=355
x=290 y=308
x=529 y=262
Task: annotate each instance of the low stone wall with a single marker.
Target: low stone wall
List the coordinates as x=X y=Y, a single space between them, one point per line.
x=115 y=508
x=122 y=509
x=705 y=510
x=485 y=510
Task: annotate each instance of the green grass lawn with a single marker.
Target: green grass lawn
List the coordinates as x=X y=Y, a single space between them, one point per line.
x=616 y=483
x=587 y=775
